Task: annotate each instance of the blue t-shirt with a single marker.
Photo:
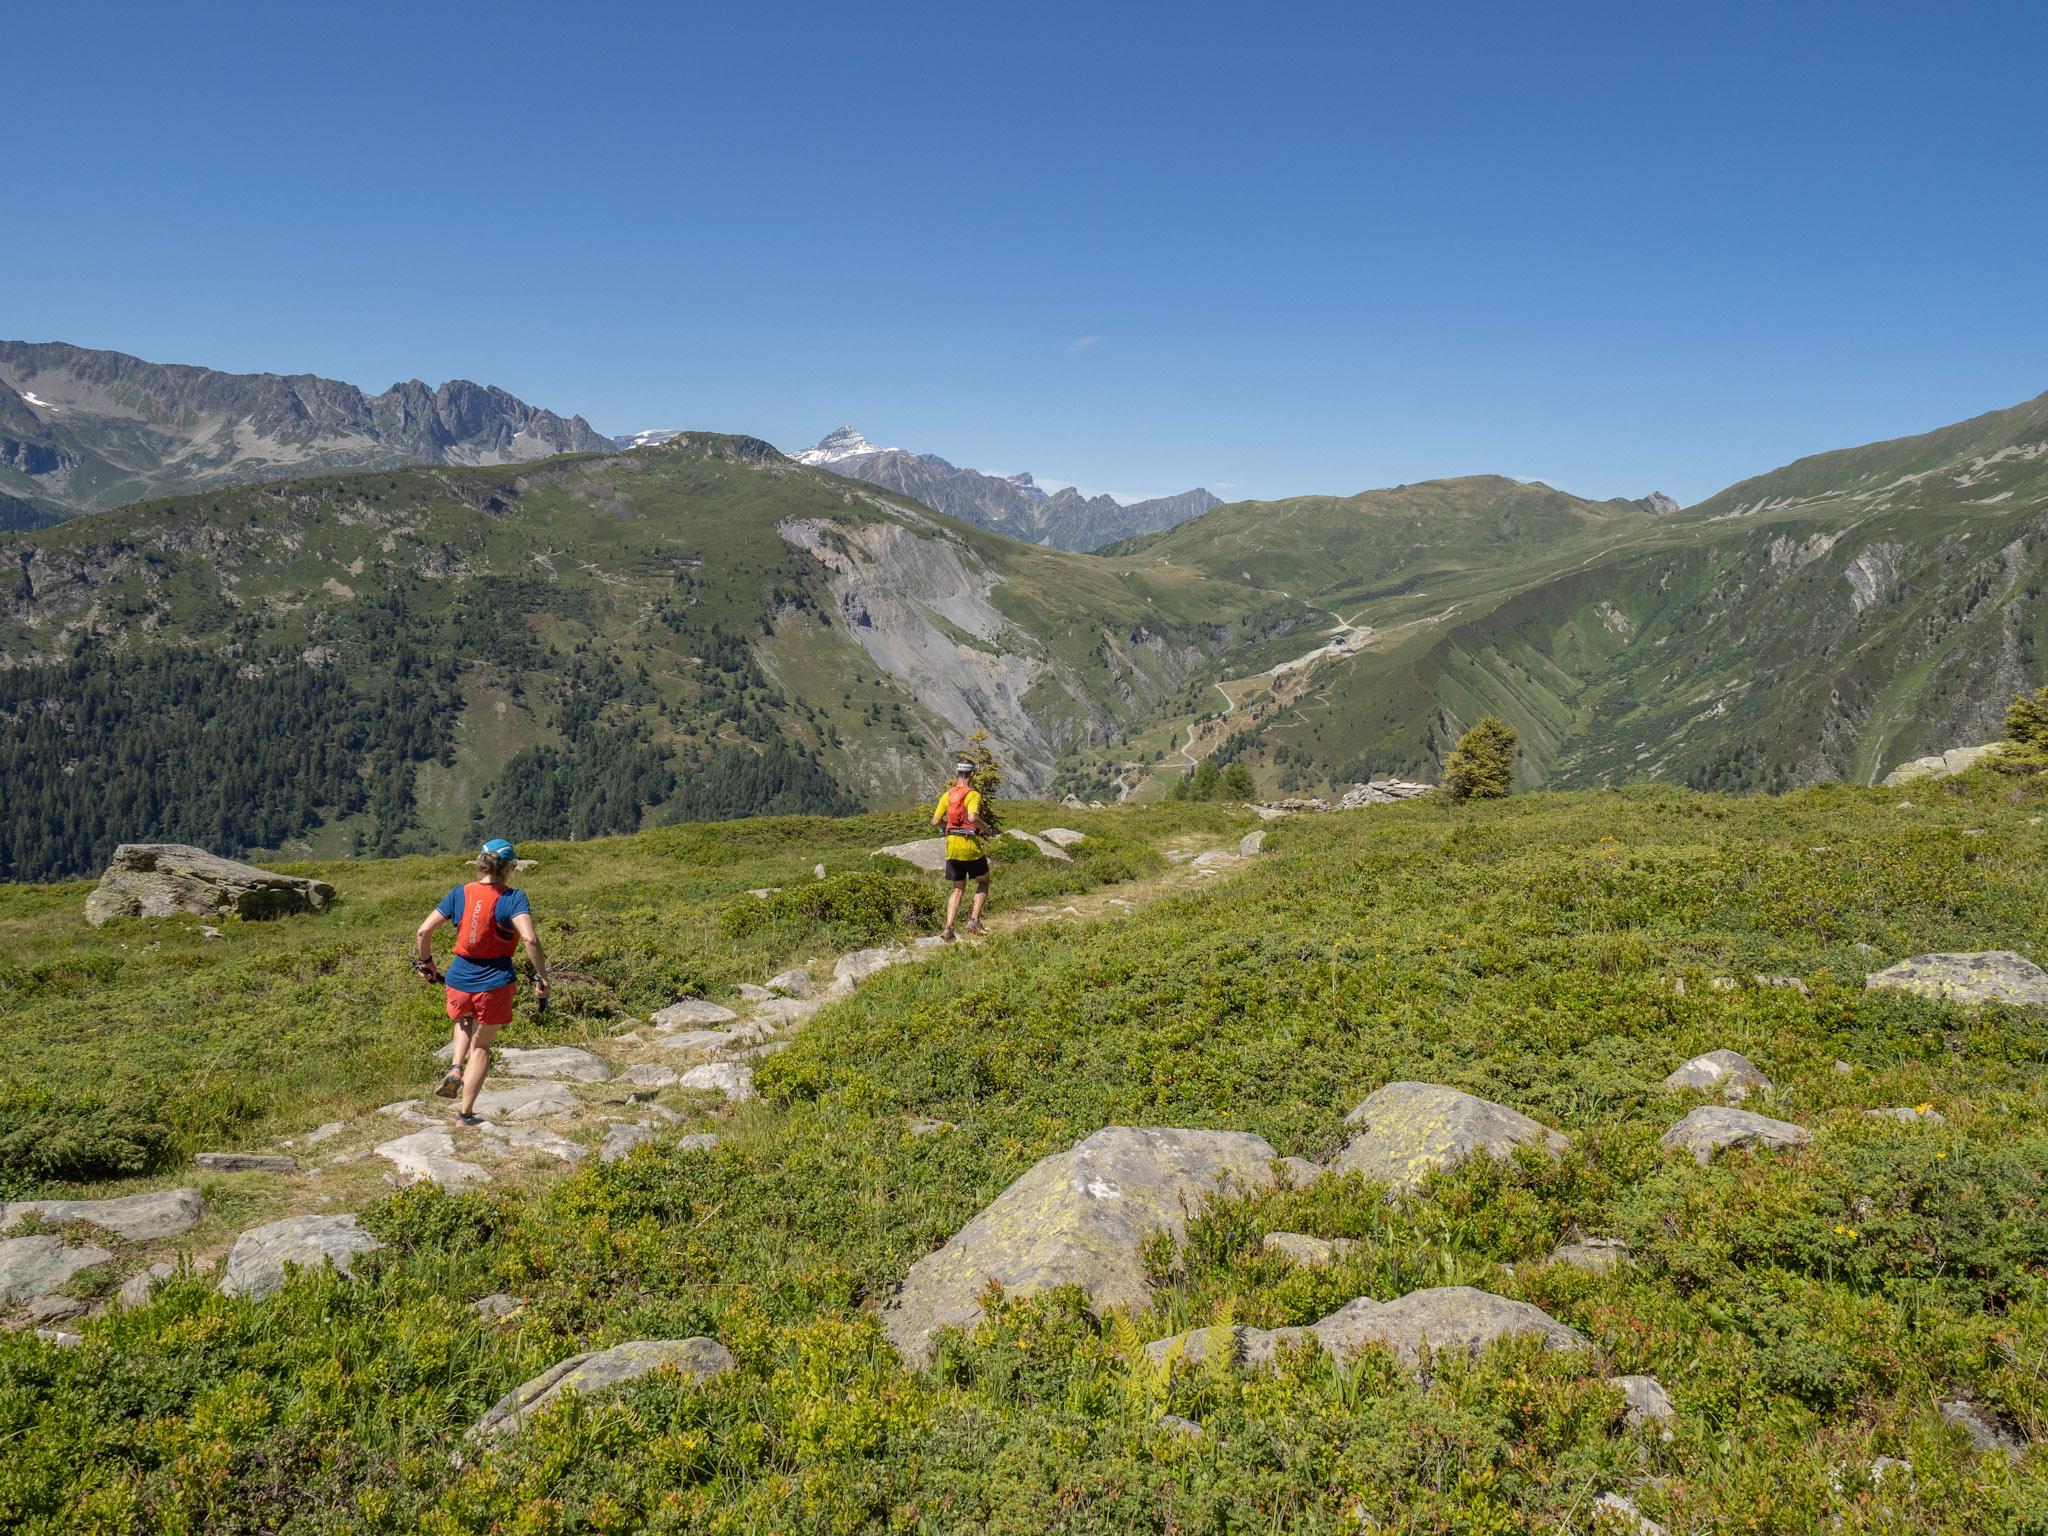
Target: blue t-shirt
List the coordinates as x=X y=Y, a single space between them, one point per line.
x=467 y=975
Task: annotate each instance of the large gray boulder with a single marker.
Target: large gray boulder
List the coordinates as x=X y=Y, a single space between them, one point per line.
x=256 y=1266
x=927 y=853
x=36 y=1266
x=794 y=982
x=1711 y=1128
x=700 y=1359
x=140 y=1218
x=1405 y=1131
x=733 y=1079
x=164 y=879
x=1727 y=1074
x=1076 y=1218
x=1985 y=976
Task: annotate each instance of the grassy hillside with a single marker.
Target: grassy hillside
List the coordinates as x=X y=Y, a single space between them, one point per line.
x=1804 y=1309
x=380 y=662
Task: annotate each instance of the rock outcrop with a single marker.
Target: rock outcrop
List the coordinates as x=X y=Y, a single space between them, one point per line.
x=1727 y=1074
x=1985 y=976
x=1405 y=1131
x=1076 y=1218
x=164 y=879
x=556 y=1063
x=1711 y=1128
x=691 y=1010
x=1947 y=765
x=256 y=1266
x=143 y=1218
x=525 y=1101
x=926 y=853
x=31 y=1267
x=429 y=1156
x=700 y=1359
x=733 y=1079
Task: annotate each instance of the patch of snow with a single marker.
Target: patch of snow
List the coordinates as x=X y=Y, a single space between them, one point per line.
x=30 y=396
x=833 y=447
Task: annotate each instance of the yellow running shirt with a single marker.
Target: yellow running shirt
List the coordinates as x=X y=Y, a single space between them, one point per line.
x=965 y=849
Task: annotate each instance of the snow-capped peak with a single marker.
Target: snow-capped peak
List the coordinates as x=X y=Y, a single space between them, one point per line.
x=833 y=447
x=649 y=438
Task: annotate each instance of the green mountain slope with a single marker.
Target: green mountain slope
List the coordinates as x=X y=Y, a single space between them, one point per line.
x=1828 y=620
x=381 y=660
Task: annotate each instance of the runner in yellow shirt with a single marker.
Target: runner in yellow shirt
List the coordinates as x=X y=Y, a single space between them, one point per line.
x=959 y=812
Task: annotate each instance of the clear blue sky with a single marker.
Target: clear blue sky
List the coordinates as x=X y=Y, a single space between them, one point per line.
x=1267 y=249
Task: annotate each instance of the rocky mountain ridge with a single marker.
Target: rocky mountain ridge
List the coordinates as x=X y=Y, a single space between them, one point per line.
x=83 y=430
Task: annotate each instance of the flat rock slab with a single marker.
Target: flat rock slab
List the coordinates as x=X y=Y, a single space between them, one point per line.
x=650 y=1074
x=1711 y=1128
x=733 y=1079
x=136 y=1289
x=430 y=1156
x=1251 y=843
x=786 y=1012
x=525 y=1101
x=1076 y=1218
x=697 y=1141
x=1450 y=1317
x=1729 y=1074
x=794 y=982
x=535 y=1138
x=693 y=1011
x=1987 y=976
x=165 y=879
x=142 y=1218
x=1064 y=837
x=699 y=1359
x=1045 y=846
x=1215 y=858
x=256 y=1266
x=849 y=971
x=705 y=1042
x=556 y=1063
x=1405 y=1131
x=927 y=853
x=245 y=1162
x=36 y=1266
x=1646 y=1402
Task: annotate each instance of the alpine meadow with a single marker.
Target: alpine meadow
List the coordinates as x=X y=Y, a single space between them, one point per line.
x=1294 y=893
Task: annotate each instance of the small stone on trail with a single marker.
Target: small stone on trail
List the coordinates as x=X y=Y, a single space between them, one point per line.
x=207 y=931
x=794 y=982
x=691 y=1010
x=410 y=1112
x=705 y=1042
x=534 y=1138
x=1614 y=1514
x=139 y=1218
x=924 y=1126
x=780 y=1012
x=1908 y=1114
x=245 y=1162
x=135 y=1290
x=851 y=970
x=1711 y=1128
x=1593 y=1254
x=650 y=1074
x=1730 y=1073
x=56 y=1309
x=556 y=1063
x=256 y=1266
x=1791 y=982
x=697 y=1141
x=1987 y=976
x=321 y=1133
x=698 y=1358
x=733 y=1079
x=753 y=994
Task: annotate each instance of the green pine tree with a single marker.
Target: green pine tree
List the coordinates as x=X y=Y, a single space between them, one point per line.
x=1482 y=765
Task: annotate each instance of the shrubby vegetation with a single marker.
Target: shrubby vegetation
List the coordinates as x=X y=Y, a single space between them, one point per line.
x=46 y=1137
x=1482 y=765
x=845 y=910
x=1805 y=1310
x=1206 y=782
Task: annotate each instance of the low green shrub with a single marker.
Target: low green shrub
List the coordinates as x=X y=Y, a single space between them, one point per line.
x=44 y=1138
x=861 y=908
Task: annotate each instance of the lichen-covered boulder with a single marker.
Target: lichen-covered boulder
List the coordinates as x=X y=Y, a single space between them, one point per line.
x=1444 y=1317
x=36 y=1266
x=1045 y=846
x=1712 y=1128
x=256 y=1266
x=1909 y=1114
x=1727 y=1074
x=1986 y=976
x=1078 y=1218
x=1405 y=1131
x=699 y=1359
x=165 y=879
x=143 y=1218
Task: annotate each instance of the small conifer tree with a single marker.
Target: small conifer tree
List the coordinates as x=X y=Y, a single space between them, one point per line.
x=1208 y=781
x=1482 y=765
x=1238 y=783
x=2026 y=733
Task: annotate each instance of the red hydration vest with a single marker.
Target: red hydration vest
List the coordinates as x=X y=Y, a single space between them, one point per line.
x=958 y=822
x=479 y=937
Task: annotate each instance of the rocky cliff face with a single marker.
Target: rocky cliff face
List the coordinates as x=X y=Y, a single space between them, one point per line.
x=83 y=430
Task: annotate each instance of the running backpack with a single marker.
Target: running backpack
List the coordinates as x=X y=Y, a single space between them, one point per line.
x=958 y=822
x=479 y=937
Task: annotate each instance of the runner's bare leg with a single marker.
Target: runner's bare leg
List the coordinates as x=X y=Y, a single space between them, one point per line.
x=479 y=1064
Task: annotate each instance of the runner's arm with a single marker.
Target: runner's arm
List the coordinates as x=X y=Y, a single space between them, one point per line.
x=530 y=937
x=425 y=940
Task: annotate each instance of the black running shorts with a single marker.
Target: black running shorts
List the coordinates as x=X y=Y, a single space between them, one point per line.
x=967 y=869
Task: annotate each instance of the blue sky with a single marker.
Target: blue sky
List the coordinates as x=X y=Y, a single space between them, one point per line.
x=1271 y=249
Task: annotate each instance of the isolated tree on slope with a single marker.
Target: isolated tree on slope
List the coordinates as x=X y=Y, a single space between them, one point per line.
x=1482 y=765
x=1238 y=783
x=2026 y=731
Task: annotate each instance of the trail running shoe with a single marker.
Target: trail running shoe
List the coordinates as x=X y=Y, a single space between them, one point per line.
x=470 y=1121
x=977 y=930
x=451 y=1085
x=948 y=935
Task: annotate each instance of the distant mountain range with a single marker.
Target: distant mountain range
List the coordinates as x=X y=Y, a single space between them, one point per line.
x=82 y=430
x=1014 y=505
